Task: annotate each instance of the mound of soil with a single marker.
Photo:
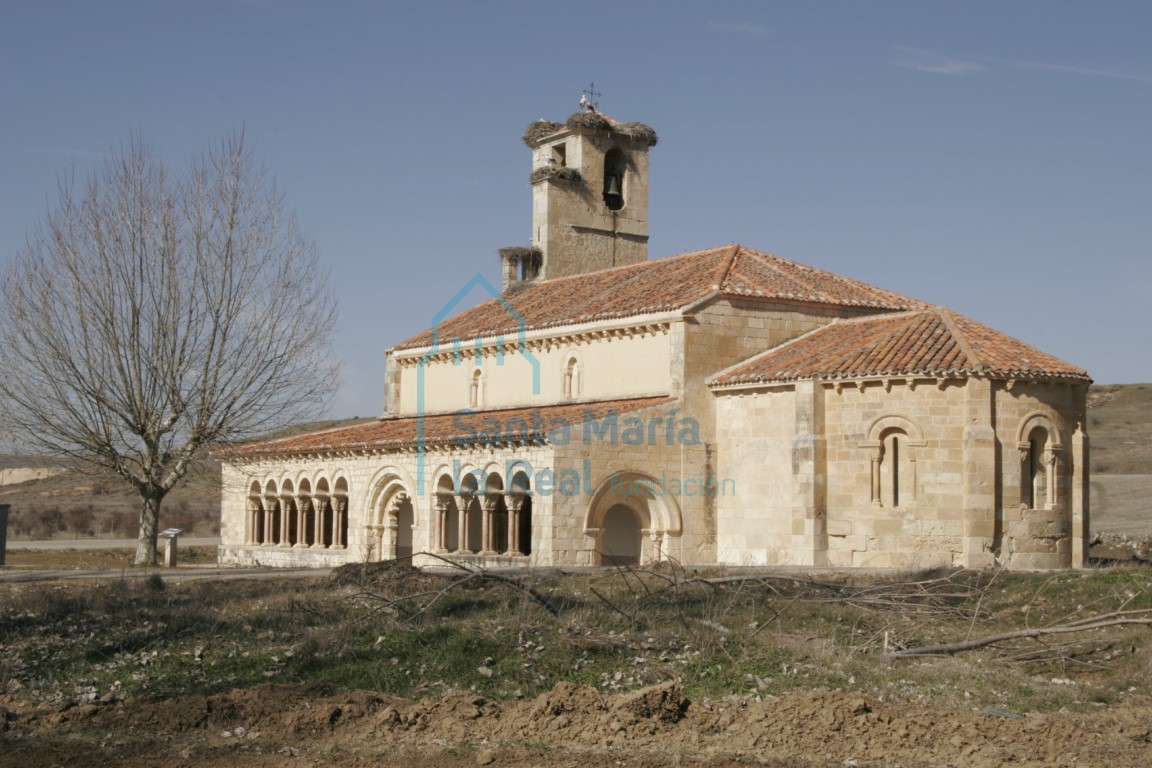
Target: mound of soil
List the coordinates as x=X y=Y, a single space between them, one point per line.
x=568 y=726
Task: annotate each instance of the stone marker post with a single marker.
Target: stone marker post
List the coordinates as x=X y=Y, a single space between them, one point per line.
x=3 y=530
x=170 y=552
x=170 y=535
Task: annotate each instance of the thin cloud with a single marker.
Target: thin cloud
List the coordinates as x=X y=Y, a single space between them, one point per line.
x=923 y=60
x=1112 y=74
x=741 y=28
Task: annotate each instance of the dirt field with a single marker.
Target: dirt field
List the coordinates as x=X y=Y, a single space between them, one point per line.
x=570 y=726
x=135 y=673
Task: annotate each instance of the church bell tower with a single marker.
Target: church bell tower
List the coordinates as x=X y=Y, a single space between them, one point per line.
x=589 y=197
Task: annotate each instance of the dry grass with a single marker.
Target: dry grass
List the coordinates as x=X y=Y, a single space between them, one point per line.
x=390 y=628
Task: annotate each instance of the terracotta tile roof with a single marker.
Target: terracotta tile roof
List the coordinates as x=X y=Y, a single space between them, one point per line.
x=661 y=285
x=462 y=428
x=934 y=342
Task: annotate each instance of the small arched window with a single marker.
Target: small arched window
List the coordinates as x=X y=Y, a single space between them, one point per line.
x=572 y=378
x=1033 y=474
x=895 y=473
x=476 y=389
x=892 y=447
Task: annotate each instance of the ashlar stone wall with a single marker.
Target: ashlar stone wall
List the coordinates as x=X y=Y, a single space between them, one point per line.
x=607 y=362
x=907 y=473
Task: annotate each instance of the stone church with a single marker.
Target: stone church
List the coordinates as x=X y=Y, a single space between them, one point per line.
x=723 y=406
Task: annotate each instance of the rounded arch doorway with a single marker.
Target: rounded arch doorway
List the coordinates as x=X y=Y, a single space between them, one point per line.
x=621 y=536
x=630 y=521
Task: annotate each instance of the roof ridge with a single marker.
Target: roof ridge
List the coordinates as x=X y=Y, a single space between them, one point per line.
x=975 y=363
x=807 y=277
x=758 y=255
x=733 y=251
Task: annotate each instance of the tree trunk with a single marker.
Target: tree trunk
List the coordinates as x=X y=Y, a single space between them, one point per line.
x=149 y=525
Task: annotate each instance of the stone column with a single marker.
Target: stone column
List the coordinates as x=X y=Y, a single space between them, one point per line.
x=1025 y=451
x=271 y=508
x=656 y=547
x=255 y=513
x=319 y=502
x=515 y=503
x=490 y=502
x=285 y=528
x=443 y=501
x=1051 y=466
x=464 y=502
x=339 y=510
x=390 y=545
x=302 y=505
x=874 y=456
x=388 y=548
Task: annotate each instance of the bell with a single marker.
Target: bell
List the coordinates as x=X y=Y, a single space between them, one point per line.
x=612 y=197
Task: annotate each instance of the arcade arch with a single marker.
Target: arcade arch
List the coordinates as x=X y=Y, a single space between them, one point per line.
x=286 y=514
x=630 y=520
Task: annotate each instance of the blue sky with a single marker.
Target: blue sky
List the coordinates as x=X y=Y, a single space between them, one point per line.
x=988 y=155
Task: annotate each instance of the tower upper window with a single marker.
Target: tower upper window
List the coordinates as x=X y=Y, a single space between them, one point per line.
x=614 y=167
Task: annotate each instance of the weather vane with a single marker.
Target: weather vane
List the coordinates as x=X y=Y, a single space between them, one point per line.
x=589 y=96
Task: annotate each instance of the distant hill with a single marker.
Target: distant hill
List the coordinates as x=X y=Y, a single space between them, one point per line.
x=9 y=461
x=1120 y=429
x=72 y=503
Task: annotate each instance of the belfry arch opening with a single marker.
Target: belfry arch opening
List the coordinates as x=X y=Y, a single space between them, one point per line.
x=615 y=165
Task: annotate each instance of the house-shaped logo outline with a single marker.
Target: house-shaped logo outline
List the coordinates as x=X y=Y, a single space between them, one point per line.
x=478 y=280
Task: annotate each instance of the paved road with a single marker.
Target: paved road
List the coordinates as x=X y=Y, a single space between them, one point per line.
x=185 y=541
x=192 y=572
x=183 y=573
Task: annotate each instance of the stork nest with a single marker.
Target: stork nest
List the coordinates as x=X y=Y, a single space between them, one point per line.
x=592 y=121
x=539 y=130
x=521 y=252
x=638 y=132
x=589 y=121
x=556 y=173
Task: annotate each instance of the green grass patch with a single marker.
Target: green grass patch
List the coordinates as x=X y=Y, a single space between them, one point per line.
x=411 y=634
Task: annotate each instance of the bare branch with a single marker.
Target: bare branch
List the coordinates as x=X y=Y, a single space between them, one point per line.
x=1117 y=619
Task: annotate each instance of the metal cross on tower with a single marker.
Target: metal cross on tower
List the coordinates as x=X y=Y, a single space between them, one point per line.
x=589 y=96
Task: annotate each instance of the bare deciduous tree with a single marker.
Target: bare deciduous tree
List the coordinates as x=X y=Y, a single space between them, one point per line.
x=154 y=314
